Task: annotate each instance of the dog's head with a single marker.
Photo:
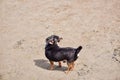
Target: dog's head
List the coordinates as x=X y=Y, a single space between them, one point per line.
x=53 y=39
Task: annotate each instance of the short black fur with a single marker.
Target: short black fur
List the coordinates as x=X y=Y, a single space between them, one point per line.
x=55 y=53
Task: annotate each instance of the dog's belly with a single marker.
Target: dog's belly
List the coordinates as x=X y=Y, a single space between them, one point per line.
x=55 y=58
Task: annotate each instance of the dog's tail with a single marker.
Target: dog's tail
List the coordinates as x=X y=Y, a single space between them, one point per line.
x=78 y=50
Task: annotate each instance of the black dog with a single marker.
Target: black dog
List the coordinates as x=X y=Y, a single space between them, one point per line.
x=56 y=54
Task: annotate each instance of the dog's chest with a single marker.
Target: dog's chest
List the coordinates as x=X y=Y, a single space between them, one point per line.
x=49 y=54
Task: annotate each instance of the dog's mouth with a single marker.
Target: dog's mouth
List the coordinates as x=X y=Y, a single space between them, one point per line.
x=51 y=42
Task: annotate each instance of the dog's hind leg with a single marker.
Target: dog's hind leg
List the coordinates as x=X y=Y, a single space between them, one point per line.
x=51 y=65
x=70 y=67
x=60 y=65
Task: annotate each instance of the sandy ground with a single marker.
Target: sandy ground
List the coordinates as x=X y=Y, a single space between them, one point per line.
x=94 y=24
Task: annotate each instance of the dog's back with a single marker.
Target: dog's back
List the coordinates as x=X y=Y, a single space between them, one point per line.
x=55 y=53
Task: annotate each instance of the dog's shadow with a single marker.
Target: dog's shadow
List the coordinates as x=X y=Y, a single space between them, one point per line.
x=46 y=65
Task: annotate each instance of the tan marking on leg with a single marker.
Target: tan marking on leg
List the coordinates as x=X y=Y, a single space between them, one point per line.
x=72 y=65
x=51 y=65
x=60 y=65
x=69 y=68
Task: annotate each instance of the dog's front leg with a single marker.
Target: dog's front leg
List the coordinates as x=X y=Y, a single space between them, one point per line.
x=51 y=65
x=60 y=65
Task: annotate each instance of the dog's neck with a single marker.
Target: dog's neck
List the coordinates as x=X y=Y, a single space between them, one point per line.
x=51 y=46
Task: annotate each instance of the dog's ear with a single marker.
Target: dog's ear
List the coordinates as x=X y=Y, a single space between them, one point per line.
x=60 y=39
x=46 y=40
